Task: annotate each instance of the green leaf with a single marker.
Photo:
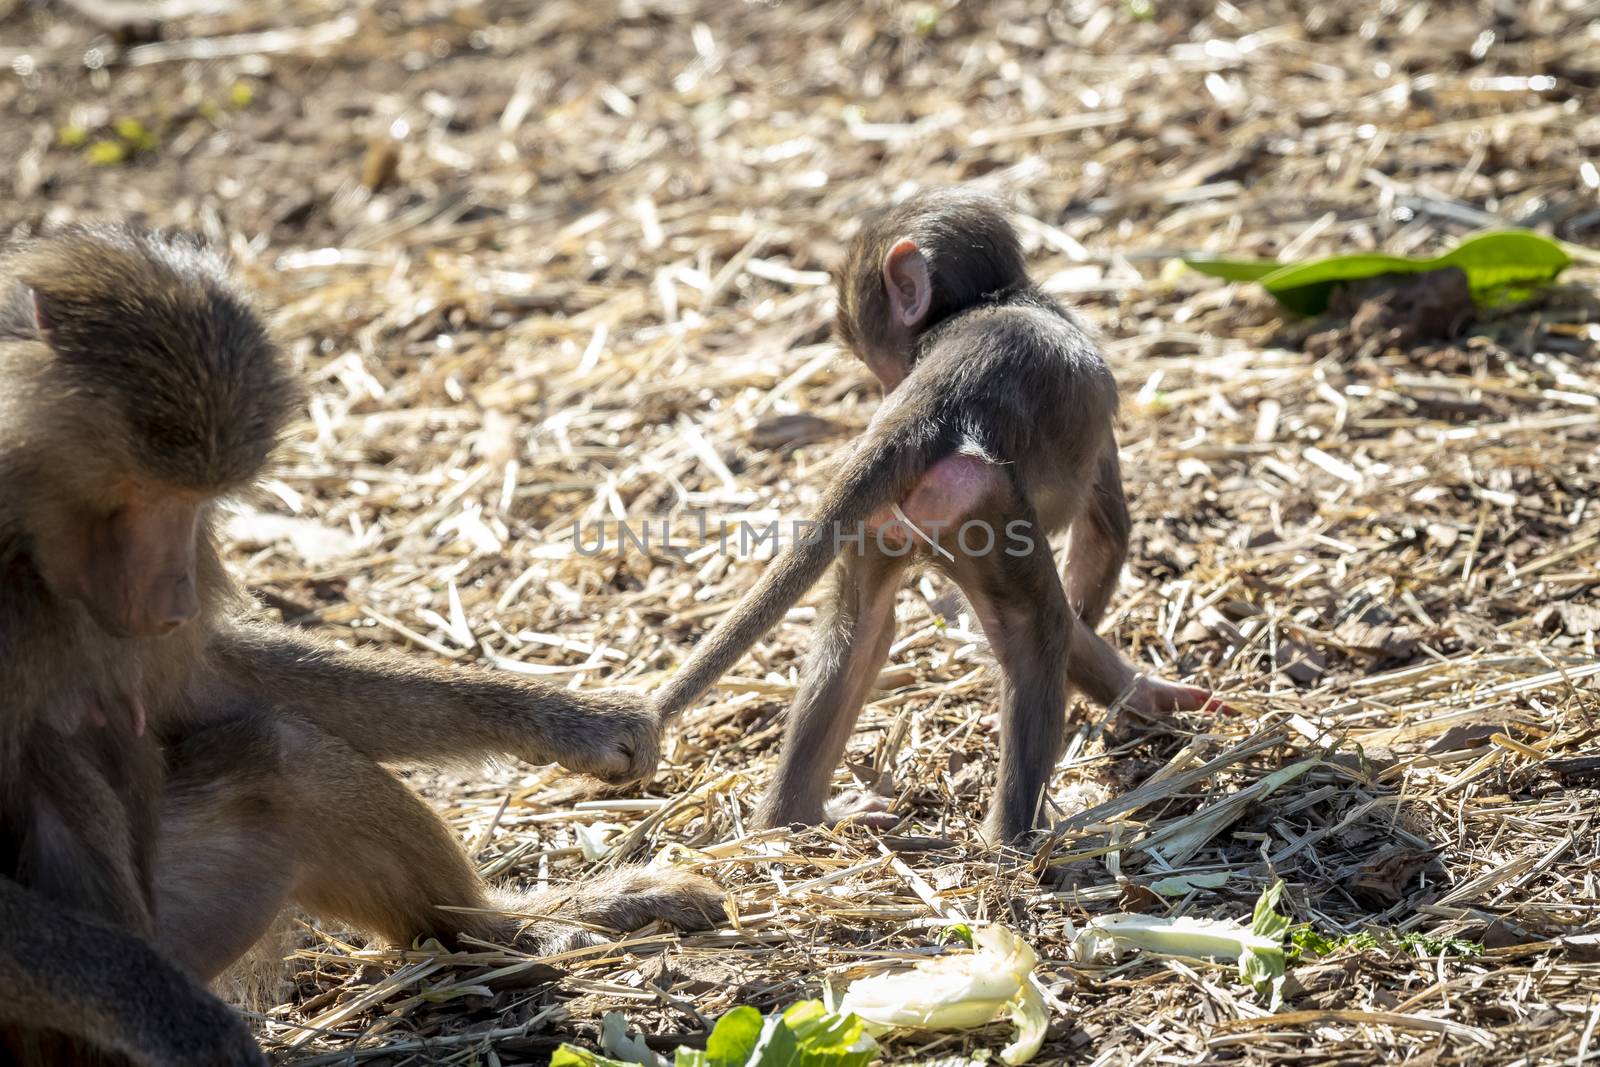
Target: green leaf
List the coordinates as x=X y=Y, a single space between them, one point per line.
x=573 y=1056
x=731 y=1044
x=1266 y=922
x=1234 y=270
x=1264 y=968
x=1308 y=940
x=806 y=1035
x=961 y=932
x=822 y=1032
x=1428 y=947
x=734 y=1037
x=1503 y=264
x=809 y=1035
x=1264 y=972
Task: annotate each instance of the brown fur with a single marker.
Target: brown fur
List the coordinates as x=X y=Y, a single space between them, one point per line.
x=988 y=377
x=137 y=384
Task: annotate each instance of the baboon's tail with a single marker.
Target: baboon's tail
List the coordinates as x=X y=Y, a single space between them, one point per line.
x=883 y=469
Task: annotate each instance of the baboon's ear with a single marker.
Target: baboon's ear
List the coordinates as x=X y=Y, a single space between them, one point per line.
x=905 y=273
x=43 y=320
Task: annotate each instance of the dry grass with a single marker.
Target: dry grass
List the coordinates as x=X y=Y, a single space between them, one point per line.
x=590 y=284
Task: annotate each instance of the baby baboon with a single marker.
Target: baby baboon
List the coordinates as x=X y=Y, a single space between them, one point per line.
x=996 y=432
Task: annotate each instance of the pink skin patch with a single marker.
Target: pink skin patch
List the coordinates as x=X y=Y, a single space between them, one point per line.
x=131 y=692
x=137 y=712
x=950 y=491
x=128 y=696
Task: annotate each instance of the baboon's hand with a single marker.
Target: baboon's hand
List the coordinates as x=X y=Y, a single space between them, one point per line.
x=620 y=742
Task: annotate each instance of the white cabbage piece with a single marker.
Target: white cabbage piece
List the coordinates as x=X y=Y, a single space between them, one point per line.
x=1257 y=948
x=595 y=839
x=1218 y=939
x=960 y=992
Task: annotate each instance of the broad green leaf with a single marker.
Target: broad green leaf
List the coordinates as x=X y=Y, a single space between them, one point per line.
x=1266 y=922
x=734 y=1037
x=1264 y=967
x=1305 y=288
x=732 y=1042
x=573 y=1056
x=1498 y=265
x=809 y=1035
x=1234 y=270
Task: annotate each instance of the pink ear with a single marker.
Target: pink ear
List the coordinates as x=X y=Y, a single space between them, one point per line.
x=905 y=272
x=41 y=315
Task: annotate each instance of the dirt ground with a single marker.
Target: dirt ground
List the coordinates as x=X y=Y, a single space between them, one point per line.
x=548 y=263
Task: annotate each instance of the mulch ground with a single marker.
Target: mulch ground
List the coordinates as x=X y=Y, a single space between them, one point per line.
x=548 y=264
